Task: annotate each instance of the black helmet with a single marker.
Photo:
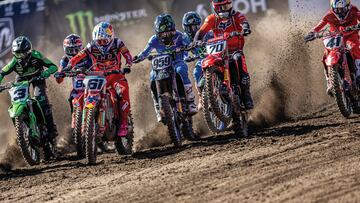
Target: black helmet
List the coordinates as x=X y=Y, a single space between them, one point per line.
x=21 y=49
x=72 y=45
x=191 y=23
x=165 y=28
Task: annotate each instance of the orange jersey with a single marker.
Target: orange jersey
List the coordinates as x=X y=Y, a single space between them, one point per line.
x=221 y=26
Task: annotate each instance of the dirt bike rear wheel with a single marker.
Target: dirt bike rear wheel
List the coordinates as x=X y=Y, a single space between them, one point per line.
x=77 y=135
x=171 y=122
x=30 y=154
x=343 y=101
x=124 y=144
x=90 y=137
x=211 y=93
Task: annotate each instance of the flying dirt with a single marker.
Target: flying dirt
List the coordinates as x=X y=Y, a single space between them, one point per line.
x=292 y=155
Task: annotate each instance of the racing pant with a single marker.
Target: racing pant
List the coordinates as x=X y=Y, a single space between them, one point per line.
x=198 y=73
x=352 y=42
x=118 y=85
x=239 y=76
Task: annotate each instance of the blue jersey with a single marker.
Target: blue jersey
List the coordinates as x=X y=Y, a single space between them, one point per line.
x=155 y=43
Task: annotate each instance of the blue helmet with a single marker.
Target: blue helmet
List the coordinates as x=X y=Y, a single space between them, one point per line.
x=191 y=23
x=164 y=27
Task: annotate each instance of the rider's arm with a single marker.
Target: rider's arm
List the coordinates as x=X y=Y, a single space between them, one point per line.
x=7 y=69
x=63 y=65
x=149 y=47
x=321 y=24
x=208 y=25
x=79 y=57
x=51 y=67
x=123 y=50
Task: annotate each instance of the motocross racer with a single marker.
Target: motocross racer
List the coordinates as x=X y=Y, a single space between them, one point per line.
x=29 y=64
x=191 y=24
x=225 y=20
x=168 y=39
x=342 y=14
x=72 y=45
x=106 y=50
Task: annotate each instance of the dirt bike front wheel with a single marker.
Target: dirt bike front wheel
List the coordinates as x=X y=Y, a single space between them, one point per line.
x=342 y=100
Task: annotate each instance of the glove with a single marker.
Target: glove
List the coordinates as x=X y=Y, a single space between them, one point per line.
x=310 y=36
x=246 y=29
x=188 y=59
x=59 y=75
x=127 y=70
x=45 y=74
x=138 y=59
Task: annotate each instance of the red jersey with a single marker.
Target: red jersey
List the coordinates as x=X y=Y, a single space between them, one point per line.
x=352 y=18
x=221 y=26
x=111 y=57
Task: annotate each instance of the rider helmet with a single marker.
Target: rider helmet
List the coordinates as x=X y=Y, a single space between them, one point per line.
x=222 y=8
x=164 y=27
x=21 y=49
x=72 y=45
x=340 y=8
x=191 y=23
x=103 y=36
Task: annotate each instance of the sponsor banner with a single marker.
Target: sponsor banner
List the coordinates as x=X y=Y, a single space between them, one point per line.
x=20 y=18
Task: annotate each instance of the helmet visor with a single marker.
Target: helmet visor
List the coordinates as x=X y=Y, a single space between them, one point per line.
x=20 y=55
x=72 y=51
x=222 y=8
x=192 y=28
x=102 y=42
x=166 y=35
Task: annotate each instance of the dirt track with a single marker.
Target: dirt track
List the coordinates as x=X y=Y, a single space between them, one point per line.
x=313 y=159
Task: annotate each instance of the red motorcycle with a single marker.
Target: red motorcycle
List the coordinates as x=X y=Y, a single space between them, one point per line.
x=101 y=117
x=77 y=101
x=340 y=69
x=220 y=96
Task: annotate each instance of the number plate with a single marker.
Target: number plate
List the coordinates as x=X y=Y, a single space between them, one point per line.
x=216 y=48
x=161 y=75
x=161 y=62
x=78 y=84
x=95 y=82
x=19 y=94
x=333 y=42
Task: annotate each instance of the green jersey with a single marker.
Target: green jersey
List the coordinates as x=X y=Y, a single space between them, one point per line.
x=35 y=67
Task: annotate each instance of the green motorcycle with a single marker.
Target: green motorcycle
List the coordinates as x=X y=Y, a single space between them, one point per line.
x=29 y=122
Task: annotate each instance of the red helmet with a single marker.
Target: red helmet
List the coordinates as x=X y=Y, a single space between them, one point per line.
x=222 y=8
x=72 y=45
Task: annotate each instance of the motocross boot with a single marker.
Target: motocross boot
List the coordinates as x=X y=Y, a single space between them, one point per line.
x=190 y=97
x=246 y=94
x=156 y=107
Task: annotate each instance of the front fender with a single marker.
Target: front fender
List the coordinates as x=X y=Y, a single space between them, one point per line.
x=16 y=109
x=332 y=58
x=91 y=101
x=211 y=61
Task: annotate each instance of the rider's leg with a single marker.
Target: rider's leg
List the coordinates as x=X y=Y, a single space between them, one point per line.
x=352 y=42
x=244 y=79
x=198 y=77
x=124 y=105
x=182 y=70
x=154 y=96
x=40 y=95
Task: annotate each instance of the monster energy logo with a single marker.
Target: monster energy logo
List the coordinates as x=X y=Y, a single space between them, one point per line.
x=81 y=22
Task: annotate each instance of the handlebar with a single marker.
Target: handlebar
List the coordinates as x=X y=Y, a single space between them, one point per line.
x=324 y=33
x=9 y=85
